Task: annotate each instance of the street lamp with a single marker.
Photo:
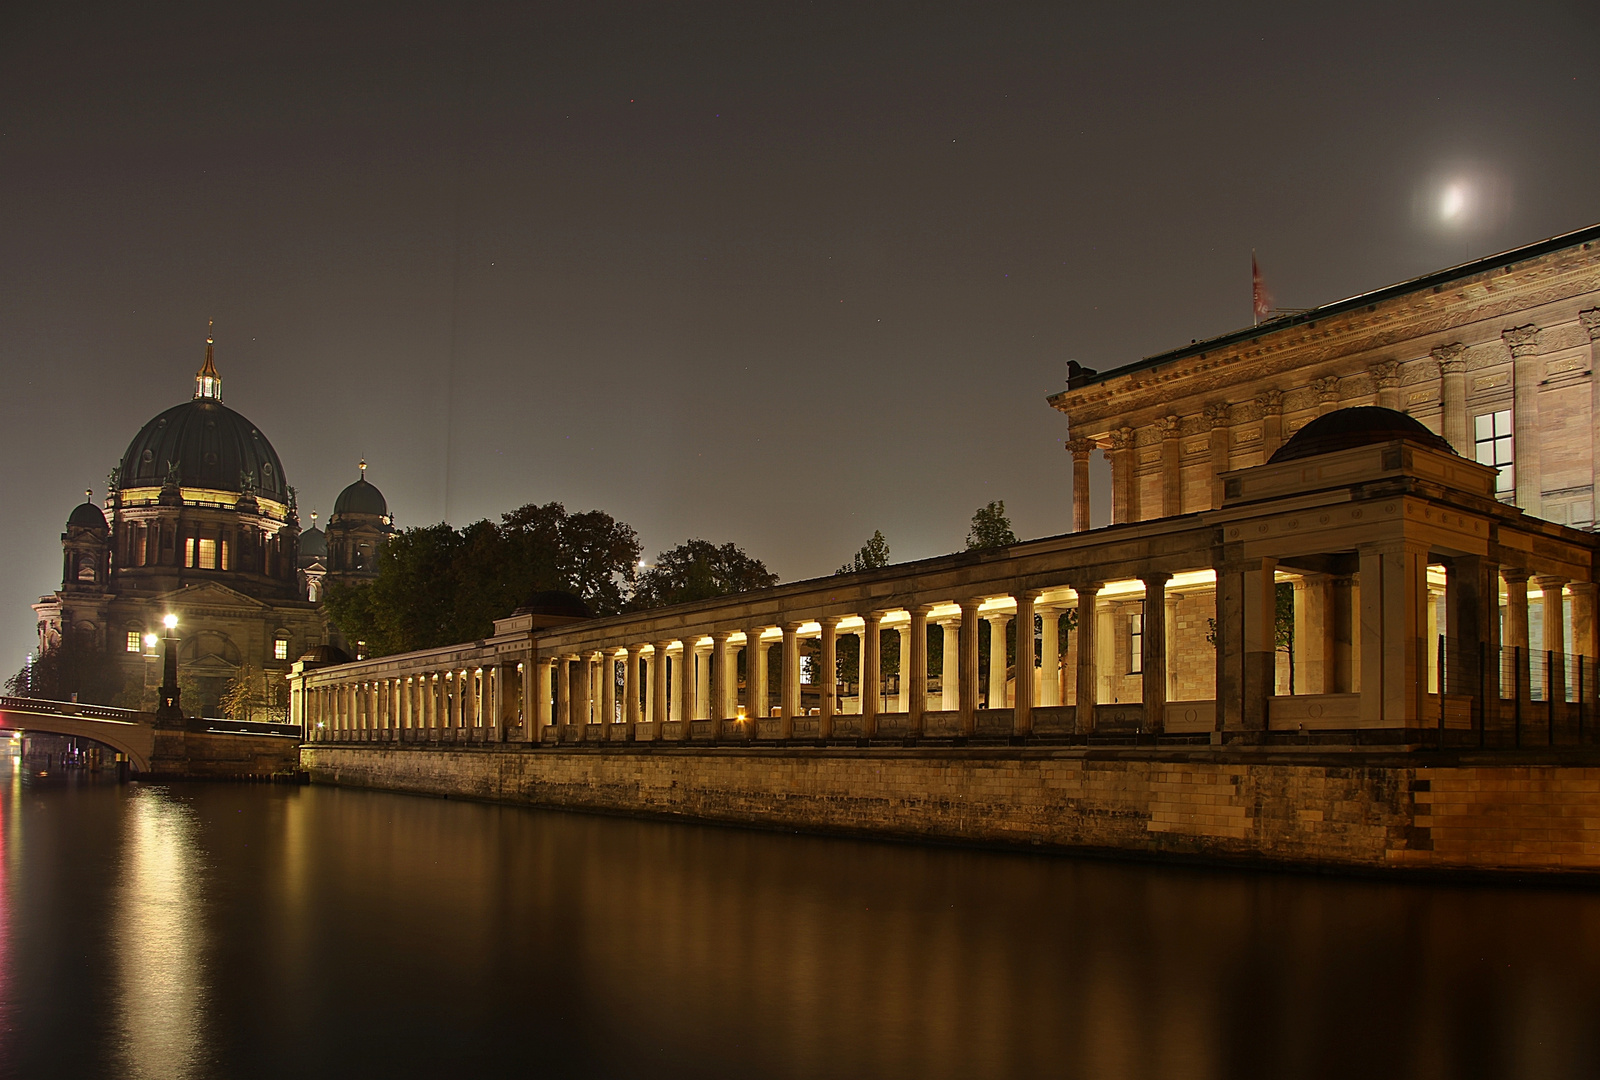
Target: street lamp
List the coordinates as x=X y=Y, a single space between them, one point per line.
x=168 y=712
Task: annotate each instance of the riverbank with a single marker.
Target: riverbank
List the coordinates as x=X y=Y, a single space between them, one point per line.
x=1345 y=809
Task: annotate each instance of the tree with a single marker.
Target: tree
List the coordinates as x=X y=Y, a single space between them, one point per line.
x=873 y=554
x=437 y=585
x=990 y=528
x=699 y=570
x=72 y=666
x=256 y=695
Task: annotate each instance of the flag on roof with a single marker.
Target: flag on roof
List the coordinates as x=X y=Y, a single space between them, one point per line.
x=1260 y=299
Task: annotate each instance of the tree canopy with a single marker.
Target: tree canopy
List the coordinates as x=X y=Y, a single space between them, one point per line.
x=990 y=528
x=873 y=554
x=437 y=585
x=699 y=570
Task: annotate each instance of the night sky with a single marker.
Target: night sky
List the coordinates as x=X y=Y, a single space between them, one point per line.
x=775 y=274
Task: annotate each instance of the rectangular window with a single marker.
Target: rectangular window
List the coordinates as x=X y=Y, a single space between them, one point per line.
x=188 y=551
x=135 y=642
x=1492 y=445
x=280 y=649
x=226 y=564
x=1136 y=643
x=208 y=554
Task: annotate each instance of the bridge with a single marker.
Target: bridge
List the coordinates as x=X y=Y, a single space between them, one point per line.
x=202 y=748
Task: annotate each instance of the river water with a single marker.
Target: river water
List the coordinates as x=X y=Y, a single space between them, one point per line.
x=216 y=930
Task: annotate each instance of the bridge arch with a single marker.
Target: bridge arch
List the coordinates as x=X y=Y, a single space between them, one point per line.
x=130 y=733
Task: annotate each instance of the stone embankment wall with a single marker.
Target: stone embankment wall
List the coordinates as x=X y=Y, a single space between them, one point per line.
x=218 y=756
x=1335 y=811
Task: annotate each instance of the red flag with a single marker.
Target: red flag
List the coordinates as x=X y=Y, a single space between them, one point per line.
x=1260 y=299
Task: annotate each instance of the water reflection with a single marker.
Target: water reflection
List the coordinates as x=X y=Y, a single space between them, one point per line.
x=256 y=931
x=158 y=938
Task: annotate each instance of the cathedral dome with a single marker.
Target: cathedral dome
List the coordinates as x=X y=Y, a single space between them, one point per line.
x=209 y=444
x=1359 y=426
x=87 y=515
x=361 y=498
x=313 y=545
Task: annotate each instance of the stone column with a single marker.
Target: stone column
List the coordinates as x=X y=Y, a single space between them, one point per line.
x=871 y=672
x=647 y=685
x=1153 y=661
x=1453 y=397
x=1124 y=478
x=1584 y=640
x=902 y=699
x=583 y=696
x=1171 y=465
x=1472 y=623
x=829 y=701
x=1079 y=449
x=1270 y=402
x=1555 y=632
x=660 y=707
x=1049 y=657
x=950 y=666
x=968 y=673
x=1342 y=634
x=608 y=687
x=1394 y=665
x=1022 y=710
x=1516 y=622
x=688 y=685
x=1088 y=678
x=1313 y=635
x=789 y=699
x=1246 y=643
x=1327 y=391
x=997 y=661
x=630 y=684
x=1524 y=345
x=724 y=682
x=914 y=668
x=1386 y=379
x=537 y=717
x=563 y=694
x=755 y=676
x=1217 y=419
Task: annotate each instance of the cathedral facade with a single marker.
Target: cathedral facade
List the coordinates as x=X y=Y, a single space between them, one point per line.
x=200 y=522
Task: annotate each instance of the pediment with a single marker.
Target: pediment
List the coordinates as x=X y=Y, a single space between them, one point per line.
x=210 y=593
x=209 y=666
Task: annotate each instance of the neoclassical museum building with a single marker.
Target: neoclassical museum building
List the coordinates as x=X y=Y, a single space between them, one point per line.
x=1406 y=478
x=200 y=522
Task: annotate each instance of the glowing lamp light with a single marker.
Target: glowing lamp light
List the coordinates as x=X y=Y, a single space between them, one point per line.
x=169 y=621
x=1453 y=203
x=151 y=641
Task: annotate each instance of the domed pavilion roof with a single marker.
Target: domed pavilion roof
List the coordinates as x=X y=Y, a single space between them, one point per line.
x=361 y=498
x=210 y=445
x=86 y=515
x=1359 y=426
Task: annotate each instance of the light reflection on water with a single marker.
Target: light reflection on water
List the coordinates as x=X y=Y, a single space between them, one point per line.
x=261 y=931
x=159 y=918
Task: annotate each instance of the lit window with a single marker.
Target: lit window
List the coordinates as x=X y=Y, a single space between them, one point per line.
x=1492 y=445
x=208 y=554
x=188 y=552
x=280 y=649
x=135 y=641
x=1136 y=643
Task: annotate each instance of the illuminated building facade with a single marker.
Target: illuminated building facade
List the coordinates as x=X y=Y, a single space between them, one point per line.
x=200 y=521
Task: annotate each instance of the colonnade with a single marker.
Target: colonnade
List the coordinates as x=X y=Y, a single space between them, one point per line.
x=472 y=703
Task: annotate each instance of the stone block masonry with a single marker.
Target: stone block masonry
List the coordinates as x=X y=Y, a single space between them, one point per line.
x=1336 y=811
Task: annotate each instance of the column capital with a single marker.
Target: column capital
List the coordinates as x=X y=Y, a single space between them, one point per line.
x=1514 y=574
x=1218 y=414
x=972 y=603
x=1591 y=322
x=1155 y=577
x=1546 y=582
x=1450 y=358
x=792 y=627
x=1327 y=388
x=1123 y=438
x=1169 y=426
x=721 y=636
x=636 y=649
x=1583 y=588
x=1385 y=373
x=1081 y=587
x=1080 y=447
x=1270 y=402
x=829 y=622
x=1521 y=340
